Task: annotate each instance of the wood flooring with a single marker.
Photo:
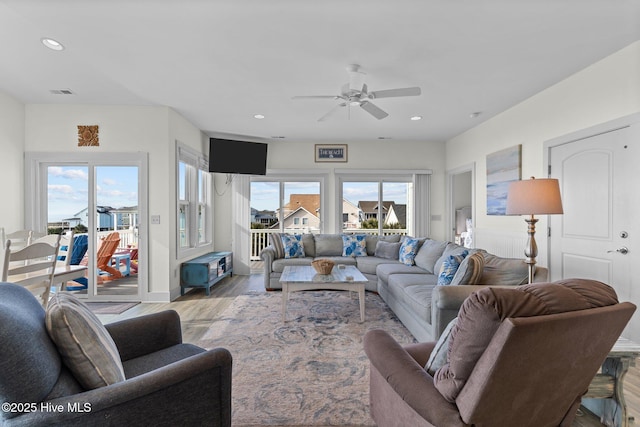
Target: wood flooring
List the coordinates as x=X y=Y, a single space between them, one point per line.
x=196 y=311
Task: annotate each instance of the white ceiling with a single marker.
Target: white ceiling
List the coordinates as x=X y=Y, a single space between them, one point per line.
x=219 y=62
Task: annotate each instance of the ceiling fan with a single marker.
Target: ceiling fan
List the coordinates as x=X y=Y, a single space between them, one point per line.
x=356 y=94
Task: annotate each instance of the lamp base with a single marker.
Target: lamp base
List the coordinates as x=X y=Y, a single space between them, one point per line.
x=531 y=249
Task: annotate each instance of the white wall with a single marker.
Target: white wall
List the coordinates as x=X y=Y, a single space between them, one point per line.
x=385 y=154
x=123 y=129
x=11 y=163
x=604 y=91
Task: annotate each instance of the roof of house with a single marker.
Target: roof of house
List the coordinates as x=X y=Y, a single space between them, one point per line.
x=310 y=202
x=368 y=206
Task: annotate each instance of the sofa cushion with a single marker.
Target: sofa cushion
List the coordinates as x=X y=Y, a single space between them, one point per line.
x=293 y=246
x=408 y=251
x=450 y=268
x=328 y=245
x=483 y=311
x=372 y=241
x=429 y=253
x=384 y=270
x=414 y=291
x=275 y=240
x=86 y=347
x=470 y=270
x=279 y=264
x=388 y=250
x=369 y=264
x=450 y=249
x=503 y=271
x=309 y=243
x=354 y=245
x=438 y=356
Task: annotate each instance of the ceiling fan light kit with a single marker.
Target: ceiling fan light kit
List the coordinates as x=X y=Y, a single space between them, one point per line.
x=356 y=94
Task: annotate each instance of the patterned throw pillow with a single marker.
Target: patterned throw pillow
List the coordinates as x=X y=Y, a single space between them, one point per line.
x=354 y=245
x=450 y=267
x=276 y=241
x=293 y=247
x=408 y=251
x=86 y=347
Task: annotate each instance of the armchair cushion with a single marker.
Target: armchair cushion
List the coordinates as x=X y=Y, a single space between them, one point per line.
x=482 y=313
x=438 y=356
x=86 y=347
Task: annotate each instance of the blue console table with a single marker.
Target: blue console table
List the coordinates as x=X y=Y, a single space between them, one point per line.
x=205 y=271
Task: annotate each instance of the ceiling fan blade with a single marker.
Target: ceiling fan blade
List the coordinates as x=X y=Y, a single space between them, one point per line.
x=373 y=110
x=389 y=93
x=316 y=97
x=332 y=112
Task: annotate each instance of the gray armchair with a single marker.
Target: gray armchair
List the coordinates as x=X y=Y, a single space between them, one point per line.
x=168 y=382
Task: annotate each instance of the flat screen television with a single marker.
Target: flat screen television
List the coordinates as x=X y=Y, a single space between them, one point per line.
x=243 y=157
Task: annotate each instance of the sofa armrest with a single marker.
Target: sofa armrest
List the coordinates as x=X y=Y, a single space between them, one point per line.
x=195 y=391
x=406 y=377
x=268 y=255
x=445 y=304
x=146 y=334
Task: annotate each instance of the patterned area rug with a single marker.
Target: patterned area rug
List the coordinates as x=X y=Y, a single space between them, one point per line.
x=311 y=370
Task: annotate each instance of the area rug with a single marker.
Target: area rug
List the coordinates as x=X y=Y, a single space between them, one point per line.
x=110 y=307
x=311 y=370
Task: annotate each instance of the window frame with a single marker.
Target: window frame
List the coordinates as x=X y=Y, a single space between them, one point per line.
x=197 y=201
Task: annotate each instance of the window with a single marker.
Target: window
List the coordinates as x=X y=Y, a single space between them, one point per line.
x=193 y=200
x=384 y=204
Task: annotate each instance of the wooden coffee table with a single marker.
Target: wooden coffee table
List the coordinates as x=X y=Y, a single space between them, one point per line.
x=305 y=278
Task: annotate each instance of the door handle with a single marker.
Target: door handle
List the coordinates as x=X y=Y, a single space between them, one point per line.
x=623 y=250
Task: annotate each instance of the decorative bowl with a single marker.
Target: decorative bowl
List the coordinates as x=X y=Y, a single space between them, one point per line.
x=323 y=266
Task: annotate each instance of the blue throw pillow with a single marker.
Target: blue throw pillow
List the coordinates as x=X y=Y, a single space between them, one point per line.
x=354 y=245
x=450 y=267
x=408 y=251
x=293 y=247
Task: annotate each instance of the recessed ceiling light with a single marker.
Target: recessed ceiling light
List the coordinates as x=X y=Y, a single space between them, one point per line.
x=475 y=114
x=278 y=137
x=384 y=137
x=415 y=118
x=52 y=44
x=258 y=116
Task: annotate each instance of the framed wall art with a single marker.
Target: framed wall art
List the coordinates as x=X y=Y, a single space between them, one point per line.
x=503 y=167
x=330 y=153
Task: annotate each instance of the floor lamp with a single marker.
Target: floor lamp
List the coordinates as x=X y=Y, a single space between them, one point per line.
x=533 y=197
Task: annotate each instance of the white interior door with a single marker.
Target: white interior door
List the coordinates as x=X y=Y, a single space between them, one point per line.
x=597 y=236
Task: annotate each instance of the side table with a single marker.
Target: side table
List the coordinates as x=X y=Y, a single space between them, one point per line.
x=605 y=396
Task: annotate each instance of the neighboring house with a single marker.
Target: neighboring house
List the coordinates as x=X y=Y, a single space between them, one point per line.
x=310 y=202
x=397 y=214
x=265 y=217
x=301 y=220
x=371 y=210
x=351 y=215
x=105 y=220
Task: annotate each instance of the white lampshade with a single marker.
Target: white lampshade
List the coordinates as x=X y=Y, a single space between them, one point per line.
x=534 y=197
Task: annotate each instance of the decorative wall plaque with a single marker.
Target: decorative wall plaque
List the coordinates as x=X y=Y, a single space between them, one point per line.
x=88 y=136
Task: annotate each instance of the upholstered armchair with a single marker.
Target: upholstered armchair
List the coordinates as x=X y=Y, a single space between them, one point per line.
x=514 y=357
x=155 y=379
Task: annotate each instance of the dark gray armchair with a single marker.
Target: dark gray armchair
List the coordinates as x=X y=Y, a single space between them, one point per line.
x=168 y=382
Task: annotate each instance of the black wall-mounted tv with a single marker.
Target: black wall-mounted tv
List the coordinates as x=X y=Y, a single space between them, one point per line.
x=231 y=156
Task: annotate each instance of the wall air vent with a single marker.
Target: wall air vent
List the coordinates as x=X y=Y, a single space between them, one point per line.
x=61 y=92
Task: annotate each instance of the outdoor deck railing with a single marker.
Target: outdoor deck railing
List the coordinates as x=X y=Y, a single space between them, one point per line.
x=260 y=237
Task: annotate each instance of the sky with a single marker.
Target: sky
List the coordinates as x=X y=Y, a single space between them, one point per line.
x=264 y=195
x=68 y=188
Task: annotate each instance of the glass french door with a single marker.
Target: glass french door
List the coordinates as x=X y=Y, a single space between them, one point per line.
x=100 y=203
